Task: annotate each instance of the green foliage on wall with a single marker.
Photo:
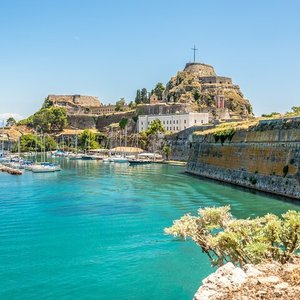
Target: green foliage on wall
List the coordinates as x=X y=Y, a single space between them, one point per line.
x=224 y=134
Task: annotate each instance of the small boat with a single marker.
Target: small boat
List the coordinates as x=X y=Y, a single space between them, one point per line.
x=45 y=168
x=120 y=159
x=75 y=156
x=108 y=159
x=87 y=157
x=139 y=161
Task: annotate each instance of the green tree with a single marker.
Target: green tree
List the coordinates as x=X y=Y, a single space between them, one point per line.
x=49 y=119
x=143 y=139
x=10 y=121
x=167 y=151
x=159 y=90
x=87 y=140
x=50 y=143
x=123 y=123
x=241 y=241
x=120 y=104
x=31 y=142
x=138 y=99
x=296 y=110
x=155 y=127
x=144 y=96
x=131 y=105
x=271 y=115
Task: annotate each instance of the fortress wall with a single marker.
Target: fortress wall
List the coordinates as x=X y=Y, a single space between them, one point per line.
x=103 y=121
x=162 y=108
x=200 y=69
x=216 y=79
x=267 y=160
x=181 y=142
x=82 y=121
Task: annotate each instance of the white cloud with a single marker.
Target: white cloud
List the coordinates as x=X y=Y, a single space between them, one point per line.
x=5 y=116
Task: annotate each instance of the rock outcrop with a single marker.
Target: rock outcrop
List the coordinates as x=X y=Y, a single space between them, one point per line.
x=264 y=281
x=199 y=86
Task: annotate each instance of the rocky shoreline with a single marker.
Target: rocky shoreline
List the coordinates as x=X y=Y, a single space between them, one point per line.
x=270 y=280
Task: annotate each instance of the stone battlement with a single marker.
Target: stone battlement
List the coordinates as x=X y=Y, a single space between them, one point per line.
x=84 y=101
x=201 y=69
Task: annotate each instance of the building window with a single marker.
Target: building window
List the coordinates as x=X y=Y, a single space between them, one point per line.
x=201 y=121
x=195 y=121
x=177 y=128
x=184 y=121
x=177 y=121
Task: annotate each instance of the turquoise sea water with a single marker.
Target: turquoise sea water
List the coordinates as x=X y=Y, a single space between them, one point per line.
x=95 y=231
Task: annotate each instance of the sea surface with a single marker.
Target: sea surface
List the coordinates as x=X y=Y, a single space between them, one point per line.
x=95 y=231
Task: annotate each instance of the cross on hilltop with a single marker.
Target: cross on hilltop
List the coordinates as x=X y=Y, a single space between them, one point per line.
x=194 y=49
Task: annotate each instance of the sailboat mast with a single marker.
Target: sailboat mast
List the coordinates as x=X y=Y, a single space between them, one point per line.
x=76 y=142
x=44 y=147
x=2 y=143
x=19 y=150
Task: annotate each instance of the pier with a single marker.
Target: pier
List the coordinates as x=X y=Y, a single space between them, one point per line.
x=10 y=170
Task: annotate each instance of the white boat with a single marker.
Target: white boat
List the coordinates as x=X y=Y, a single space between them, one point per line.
x=139 y=161
x=108 y=159
x=45 y=168
x=75 y=156
x=119 y=159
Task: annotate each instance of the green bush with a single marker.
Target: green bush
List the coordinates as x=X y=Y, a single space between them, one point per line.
x=241 y=241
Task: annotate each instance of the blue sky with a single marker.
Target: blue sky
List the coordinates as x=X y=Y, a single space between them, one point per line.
x=112 y=48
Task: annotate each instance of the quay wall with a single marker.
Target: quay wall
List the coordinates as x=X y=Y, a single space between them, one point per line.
x=181 y=142
x=265 y=158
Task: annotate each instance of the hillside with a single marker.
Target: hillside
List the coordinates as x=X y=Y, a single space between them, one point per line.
x=199 y=86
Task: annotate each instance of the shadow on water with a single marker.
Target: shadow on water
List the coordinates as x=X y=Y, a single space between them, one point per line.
x=244 y=189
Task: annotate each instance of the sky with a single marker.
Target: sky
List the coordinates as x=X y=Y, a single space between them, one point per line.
x=112 y=48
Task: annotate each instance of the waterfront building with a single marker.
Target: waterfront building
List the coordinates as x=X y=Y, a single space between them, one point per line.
x=174 y=122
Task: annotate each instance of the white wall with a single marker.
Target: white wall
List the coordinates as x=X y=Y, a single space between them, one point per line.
x=173 y=123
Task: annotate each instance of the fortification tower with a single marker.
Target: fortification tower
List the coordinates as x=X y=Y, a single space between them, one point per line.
x=202 y=70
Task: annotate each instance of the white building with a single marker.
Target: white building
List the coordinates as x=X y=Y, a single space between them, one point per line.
x=175 y=122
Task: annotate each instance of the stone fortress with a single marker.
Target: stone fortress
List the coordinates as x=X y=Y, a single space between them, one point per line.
x=199 y=87
x=195 y=89
x=80 y=104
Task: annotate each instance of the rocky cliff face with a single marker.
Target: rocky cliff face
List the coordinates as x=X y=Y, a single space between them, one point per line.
x=265 y=281
x=199 y=86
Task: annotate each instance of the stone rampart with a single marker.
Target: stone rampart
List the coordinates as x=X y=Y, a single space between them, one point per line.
x=262 y=159
x=103 y=121
x=181 y=142
x=200 y=69
x=82 y=121
x=163 y=109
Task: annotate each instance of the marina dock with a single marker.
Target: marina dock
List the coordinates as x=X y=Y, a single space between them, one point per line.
x=10 y=170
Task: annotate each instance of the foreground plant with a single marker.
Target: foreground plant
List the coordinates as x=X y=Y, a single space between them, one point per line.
x=224 y=238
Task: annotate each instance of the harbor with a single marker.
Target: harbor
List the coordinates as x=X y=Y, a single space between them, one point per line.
x=98 y=220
